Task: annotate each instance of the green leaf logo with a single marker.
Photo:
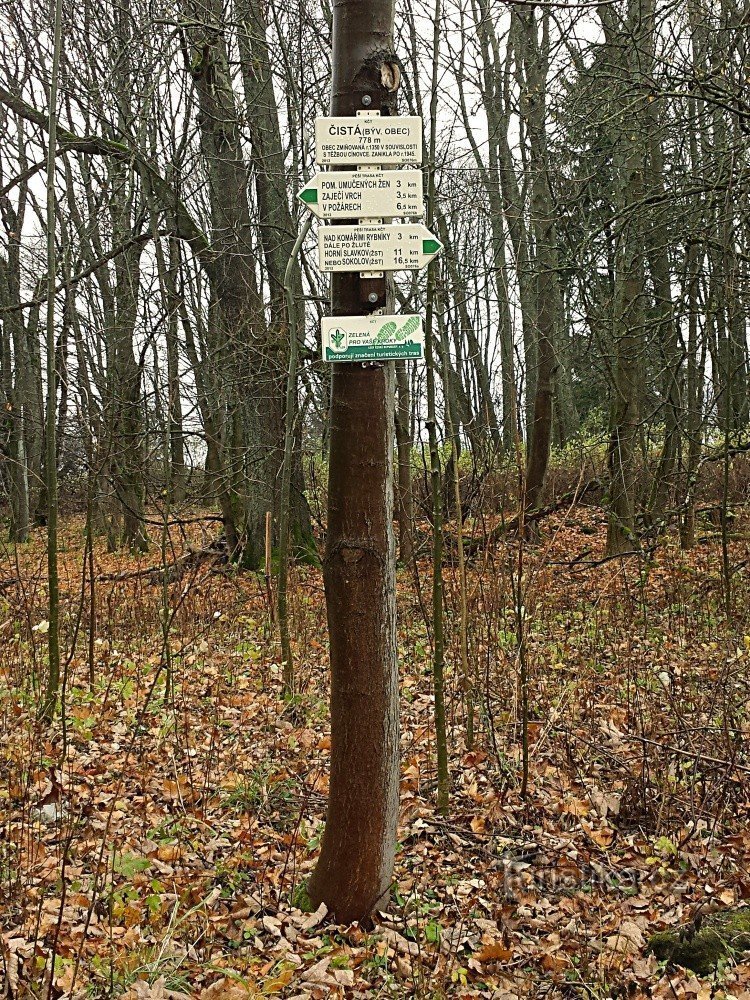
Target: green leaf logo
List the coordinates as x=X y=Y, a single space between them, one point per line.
x=337 y=339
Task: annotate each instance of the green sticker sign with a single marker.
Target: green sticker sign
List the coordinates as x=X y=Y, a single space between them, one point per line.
x=372 y=338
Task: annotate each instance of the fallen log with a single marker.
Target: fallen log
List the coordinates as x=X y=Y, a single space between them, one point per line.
x=528 y=519
x=174 y=571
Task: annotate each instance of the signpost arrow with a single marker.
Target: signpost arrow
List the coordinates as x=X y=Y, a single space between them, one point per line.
x=376 y=248
x=376 y=139
x=364 y=194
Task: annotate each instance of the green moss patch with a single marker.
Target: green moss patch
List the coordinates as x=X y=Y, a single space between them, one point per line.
x=702 y=945
x=301 y=898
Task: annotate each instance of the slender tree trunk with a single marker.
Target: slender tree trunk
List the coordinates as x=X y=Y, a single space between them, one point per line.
x=466 y=677
x=277 y=226
x=431 y=350
x=548 y=303
x=34 y=424
x=253 y=344
x=125 y=367
x=405 y=506
x=696 y=356
x=53 y=584
x=629 y=305
x=244 y=363
x=487 y=415
x=355 y=867
x=16 y=376
x=293 y=309
x=167 y=272
x=694 y=401
x=507 y=353
x=125 y=375
x=657 y=247
x=506 y=205
x=567 y=419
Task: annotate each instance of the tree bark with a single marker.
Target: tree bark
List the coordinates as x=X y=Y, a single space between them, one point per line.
x=506 y=205
x=167 y=274
x=548 y=304
x=125 y=373
x=22 y=421
x=629 y=298
x=657 y=255
x=277 y=228
x=405 y=506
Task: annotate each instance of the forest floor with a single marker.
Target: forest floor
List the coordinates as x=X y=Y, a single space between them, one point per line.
x=152 y=847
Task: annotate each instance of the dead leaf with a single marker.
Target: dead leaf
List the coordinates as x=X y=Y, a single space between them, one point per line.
x=225 y=989
x=494 y=953
x=280 y=982
x=318 y=974
x=478 y=824
x=602 y=836
x=399 y=942
x=628 y=939
x=314 y=918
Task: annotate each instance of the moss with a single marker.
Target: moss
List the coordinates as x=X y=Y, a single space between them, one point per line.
x=304 y=548
x=301 y=898
x=701 y=947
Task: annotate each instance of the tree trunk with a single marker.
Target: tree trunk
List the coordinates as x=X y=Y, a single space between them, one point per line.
x=277 y=230
x=487 y=417
x=13 y=386
x=167 y=273
x=277 y=227
x=125 y=373
x=405 y=505
x=250 y=350
x=628 y=319
x=657 y=252
x=548 y=303
x=355 y=867
x=238 y=346
x=694 y=388
x=22 y=421
x=506 y=203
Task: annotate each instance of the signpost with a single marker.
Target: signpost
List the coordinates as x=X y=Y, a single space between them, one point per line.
x=364 y=194
x=368 y=139
x=376 y=248
x=371 y=195
x=373 y=337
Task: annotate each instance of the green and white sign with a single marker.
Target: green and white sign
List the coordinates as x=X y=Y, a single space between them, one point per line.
x=364 y=194
x=372 y=338
x=365 y=139
x=376 y=248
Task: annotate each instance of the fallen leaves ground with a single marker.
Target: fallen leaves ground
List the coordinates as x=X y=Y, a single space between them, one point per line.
x=154 y=845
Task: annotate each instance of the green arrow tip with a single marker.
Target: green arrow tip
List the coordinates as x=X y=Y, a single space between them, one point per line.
x=431 y=246
x=309 y=196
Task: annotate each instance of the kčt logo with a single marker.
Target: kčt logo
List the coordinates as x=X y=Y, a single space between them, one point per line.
x=339 y=340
